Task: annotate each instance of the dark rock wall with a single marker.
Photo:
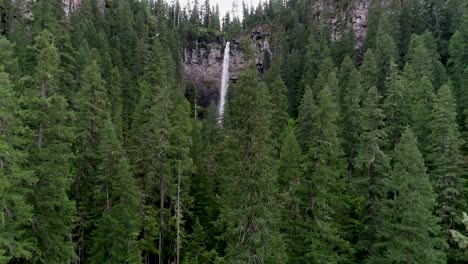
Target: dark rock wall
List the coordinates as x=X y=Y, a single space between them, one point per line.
x=204 y=61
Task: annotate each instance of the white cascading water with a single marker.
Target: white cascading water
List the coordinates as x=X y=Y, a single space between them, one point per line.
x=224 y=81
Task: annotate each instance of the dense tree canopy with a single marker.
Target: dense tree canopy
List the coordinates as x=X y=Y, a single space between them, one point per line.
x=336 y=146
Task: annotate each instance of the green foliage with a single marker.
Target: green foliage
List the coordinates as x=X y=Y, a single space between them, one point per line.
x=114 y=239
x=408 y=231
x=250 y=209
x=104 y=160
x=50 y=158
x=324 y=182
x=444 y=160
x=15 y=180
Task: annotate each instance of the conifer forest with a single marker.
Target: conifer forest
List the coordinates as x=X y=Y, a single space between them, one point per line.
x=284 y=132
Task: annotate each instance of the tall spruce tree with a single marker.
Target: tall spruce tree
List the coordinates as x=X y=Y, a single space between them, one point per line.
x=350 y=103
x=305 y=119
x=50 y=157
x=93 y=109
x=408 y=231
x=16 y=179
x=291 y=184
x=445 y=159
x=324 y=181
x=251 y=211
x=114 y=239
x=372 y=166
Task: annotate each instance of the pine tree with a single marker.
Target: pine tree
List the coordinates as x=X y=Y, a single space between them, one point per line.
x=444 y=158
x=421 y=112
x=205 y=181
x=149 y=152
x=371 y=169
x=50 y=157
x=397 y=107
x=326 y=69
x=251 y=211
x=291 y=184
x=181 y=164
x=279 y=109
x=305 y=119
x=115 y=96
x=324 y=180
x=408 y=231
x=93 y=109
x=369 y=71
x=385 y=51
x=16 y=180
x=420 y=58
x=350 y=101
x=114 y=239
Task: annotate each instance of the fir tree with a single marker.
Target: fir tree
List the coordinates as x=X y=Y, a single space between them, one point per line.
x=291 y=184
x=371 y=169
x=369 y=71
x=50 y=157
x=350 y=101
x=149 y=152
x=16 y=180
x=93 y=109
x=408 y=231
x=279 y=108
x=115 y=96
x=251 y=211
x=385 y=53
x=305 y=119
x=445 y=160
x=397 y=107
x=114 y=239
x=324 y=181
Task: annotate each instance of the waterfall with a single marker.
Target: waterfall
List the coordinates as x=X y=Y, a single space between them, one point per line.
x=224 y=81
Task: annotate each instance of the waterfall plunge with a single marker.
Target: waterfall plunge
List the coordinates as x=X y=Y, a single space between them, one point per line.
x=224 y=81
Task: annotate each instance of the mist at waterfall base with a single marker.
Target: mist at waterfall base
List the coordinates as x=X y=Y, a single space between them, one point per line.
x=224 y=81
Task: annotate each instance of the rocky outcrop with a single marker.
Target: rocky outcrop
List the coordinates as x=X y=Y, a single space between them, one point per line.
x=352 y=16
x=203 y=61
x=70 y=5
x=358 y=22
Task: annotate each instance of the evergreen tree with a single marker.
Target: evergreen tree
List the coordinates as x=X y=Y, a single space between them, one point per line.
x=420 y=58
x=93 y=110
x=279 y=109
x=291 y=184
x=444 y=158
x=350 y=100
x=149 y=152
x=50 y=157
x=250 y=211
x=324 y=181
x=421 y=112
x=205 y=181
x=371 y=169
x=385 y=53
x=114 y=239
x=16 y=180
x=369 y=71
x=305 y=119
x=115 y=96
x=408 y=231
x=397 y=107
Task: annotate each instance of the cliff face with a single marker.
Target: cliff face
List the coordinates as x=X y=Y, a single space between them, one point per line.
x=354 y=16
x=203 y=63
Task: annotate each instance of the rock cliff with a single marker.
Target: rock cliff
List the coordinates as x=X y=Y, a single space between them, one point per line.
x=204 y=61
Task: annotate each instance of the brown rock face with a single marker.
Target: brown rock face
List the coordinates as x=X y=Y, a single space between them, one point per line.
x=203 y=63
